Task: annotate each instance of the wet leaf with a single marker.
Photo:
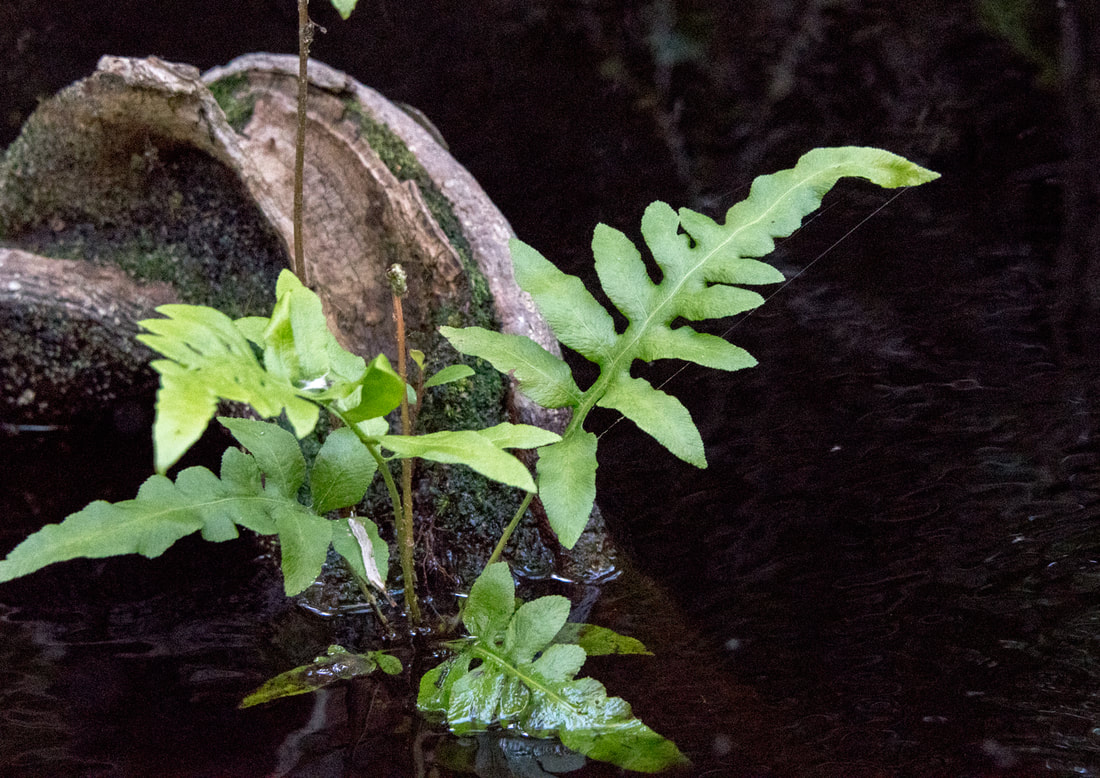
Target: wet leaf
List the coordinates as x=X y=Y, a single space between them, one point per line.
x=600 y=641
x=516 y=674
x=491 y=602
x=336 y=664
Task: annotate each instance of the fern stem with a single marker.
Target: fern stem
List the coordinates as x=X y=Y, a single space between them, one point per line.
x=398 y=510
x=387 y=476
x=512 y=525
x=505 y=536
x=405 y=530
x=587 y=402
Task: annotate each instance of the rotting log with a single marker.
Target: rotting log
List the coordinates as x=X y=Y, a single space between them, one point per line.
x=147 y=182
x=68 y=346
x=112 y=159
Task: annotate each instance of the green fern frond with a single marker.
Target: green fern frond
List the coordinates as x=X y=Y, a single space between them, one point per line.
x=209 y=358
x=518 y=671
x=704 y=266
x=162 y=513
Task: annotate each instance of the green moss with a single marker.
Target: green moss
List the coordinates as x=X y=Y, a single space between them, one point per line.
x=93 y=190
x=467 y=512
x=406 y=167
x=187 y=221
x=233 y=97
x=48 y=149
x=57 y=367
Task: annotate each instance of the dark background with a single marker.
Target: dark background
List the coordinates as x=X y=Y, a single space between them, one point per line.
x=573 y=112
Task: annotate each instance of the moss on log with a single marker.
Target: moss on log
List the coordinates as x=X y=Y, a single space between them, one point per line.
x=147 y=183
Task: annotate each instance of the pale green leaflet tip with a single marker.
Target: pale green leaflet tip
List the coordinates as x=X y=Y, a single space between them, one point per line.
x=344 y=7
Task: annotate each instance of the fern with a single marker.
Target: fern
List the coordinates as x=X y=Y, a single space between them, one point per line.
x=303 y=368
x=703 y=267
x=162 y=513
x=335 y=665
x=518 y=671
x=344 y=7
x=209 y=357
x=257 y=491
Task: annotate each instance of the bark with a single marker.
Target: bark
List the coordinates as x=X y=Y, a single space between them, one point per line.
x=137 y=185
x=95 y=157
x=69 y=345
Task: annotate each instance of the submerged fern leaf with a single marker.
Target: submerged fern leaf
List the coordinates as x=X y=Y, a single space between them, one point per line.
x=704 y=266
x=518 y=671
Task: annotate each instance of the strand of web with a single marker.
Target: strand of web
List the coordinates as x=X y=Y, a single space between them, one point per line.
x=784 y=285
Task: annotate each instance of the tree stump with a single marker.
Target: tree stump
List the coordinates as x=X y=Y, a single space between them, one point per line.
x=147 y=183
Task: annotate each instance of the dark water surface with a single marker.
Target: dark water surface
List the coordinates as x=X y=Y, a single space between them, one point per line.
x=897 y=544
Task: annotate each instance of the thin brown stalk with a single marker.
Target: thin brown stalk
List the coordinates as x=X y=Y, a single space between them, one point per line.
x=305 y=38
x=405 y=532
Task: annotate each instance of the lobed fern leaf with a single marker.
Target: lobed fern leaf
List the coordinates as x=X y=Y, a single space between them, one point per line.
x=162 y=513
x=517 y=671
x=335 y=665
x=209 y=358
x=257 y=490
x=704 y=266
